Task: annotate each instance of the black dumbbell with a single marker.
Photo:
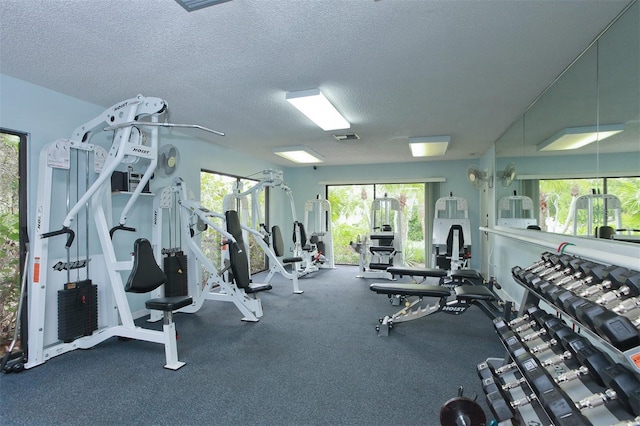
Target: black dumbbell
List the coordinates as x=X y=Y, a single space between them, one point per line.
x=499 y=406
x=588 y=274
x=528 y=310
x=623 y=385
x=631 y=287
x=592 y=361
x=587 y=311
x=618 y=330
x=611 y=277
x=555 y=402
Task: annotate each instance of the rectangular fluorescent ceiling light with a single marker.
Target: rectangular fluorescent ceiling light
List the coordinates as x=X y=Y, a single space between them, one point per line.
x=191 y=5
x=318 y=109
x=432 y=146
x=299 y=154
x=577 y=137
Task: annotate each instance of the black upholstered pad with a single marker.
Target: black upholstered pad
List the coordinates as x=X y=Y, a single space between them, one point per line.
x=417 y=272
x=410 y=289
x=168 y=303
x=276 y=240
x=474 y=292
x=256 y=288
x=291 y=259
x=381 y=249
x=145 y=275
x=466 y=273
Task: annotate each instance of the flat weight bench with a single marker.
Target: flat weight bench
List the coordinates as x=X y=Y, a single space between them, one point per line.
x=413 y=272
x=465 y=296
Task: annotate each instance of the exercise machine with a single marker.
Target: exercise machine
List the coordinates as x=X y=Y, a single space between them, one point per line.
x=444 y=300
x=104 y=307
x=267 y=239
x=383 y=247
x=451 y=234
x=600 y=209
x=219 y=284
x=317 y=223
x=516 y=211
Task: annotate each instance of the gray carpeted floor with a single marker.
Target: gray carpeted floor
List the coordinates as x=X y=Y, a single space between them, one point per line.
x=313 y=359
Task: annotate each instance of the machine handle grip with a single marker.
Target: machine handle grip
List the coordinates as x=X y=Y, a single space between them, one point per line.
x=120 y=228
x=64 y=230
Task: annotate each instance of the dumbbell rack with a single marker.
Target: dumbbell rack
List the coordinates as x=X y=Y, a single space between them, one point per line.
x=528 y=346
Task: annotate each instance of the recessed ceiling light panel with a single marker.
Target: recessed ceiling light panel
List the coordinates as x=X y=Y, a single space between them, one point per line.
x=318 y=109
x=430 y=146
x=577 y=137
x=299 y=154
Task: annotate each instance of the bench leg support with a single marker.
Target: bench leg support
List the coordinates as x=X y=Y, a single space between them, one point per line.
x=170 y=343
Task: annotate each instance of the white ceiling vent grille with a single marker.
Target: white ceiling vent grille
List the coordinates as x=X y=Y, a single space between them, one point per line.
x=191 y=5
x=347 y=137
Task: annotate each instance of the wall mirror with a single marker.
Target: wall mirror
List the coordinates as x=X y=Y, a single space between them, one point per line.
x=577 y=191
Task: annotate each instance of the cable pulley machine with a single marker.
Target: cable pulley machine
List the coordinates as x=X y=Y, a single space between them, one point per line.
x=135 y=141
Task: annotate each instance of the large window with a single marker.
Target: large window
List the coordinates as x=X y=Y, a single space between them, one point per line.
x=559 y=211
x=351 y=216
x=213 y=188
x=12 y=221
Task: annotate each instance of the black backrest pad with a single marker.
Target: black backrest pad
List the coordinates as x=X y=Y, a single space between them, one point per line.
x=233 y=224
x=239 y=265
x=303 y=234
x=145 y=275
x=450 y=238
x=278 y=244
x=237 y=256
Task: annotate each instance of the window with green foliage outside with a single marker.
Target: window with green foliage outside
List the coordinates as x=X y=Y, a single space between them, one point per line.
x=10 y=223
x=213 y=188
x=557 y=204
x=351 y=216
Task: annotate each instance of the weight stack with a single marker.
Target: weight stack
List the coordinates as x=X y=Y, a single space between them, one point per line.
x=77 y=310
x=175 y=268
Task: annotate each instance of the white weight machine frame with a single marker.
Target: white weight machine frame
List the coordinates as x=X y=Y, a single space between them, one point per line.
x=238 y=201
x=127 y=147
x=446 y=216
x=588 y=202
x=516 y=211
x=216 y=287
x=317 y=223
x=370 y=249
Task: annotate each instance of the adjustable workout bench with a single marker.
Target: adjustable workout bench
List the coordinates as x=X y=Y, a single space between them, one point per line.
x=465 y=296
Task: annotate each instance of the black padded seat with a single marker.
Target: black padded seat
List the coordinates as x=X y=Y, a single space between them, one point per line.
x=410 y=289
x=474 y=292
x=416 y=272
x=256 y=288
x=379 y=266
x=168 y=303
x=471 y=274
x=146 y=276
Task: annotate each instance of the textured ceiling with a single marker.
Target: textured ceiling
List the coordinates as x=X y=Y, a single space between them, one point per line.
x=394 y=68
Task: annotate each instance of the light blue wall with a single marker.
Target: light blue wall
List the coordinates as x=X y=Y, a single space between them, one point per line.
x=305 y=184
x=47 y=116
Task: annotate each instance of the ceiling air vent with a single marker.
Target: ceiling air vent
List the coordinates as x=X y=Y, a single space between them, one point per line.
x=347 y=137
